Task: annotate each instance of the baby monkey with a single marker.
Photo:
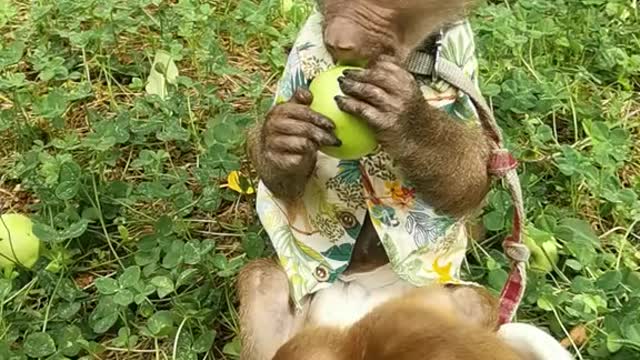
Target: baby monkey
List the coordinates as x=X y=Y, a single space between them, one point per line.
x=425 y=324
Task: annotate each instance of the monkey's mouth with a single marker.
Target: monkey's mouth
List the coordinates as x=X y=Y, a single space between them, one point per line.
x=350 y=62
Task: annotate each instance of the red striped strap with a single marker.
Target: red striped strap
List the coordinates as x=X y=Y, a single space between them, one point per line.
x=503 y=165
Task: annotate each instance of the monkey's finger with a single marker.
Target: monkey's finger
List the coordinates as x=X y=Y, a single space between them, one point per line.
x=284 y=160
x=295 y=127
x=361 y=109
x=396 y=77
x=366 y=92
x=388 y=58
x=374 y=77
x=292 y=145
x=303 y=113
x=302 y=96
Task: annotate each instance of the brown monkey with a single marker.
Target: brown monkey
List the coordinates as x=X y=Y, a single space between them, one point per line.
x=423 y=324
x=445 y=159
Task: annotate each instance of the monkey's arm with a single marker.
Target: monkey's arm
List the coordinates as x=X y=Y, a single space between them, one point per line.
x=445 y=159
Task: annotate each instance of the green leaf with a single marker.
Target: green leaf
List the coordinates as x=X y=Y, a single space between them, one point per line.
x=494 y=221
x=175 y=256
x=160 y=324
x=67 y=310
x=210 y=199
x=185 y=277
x=192 y=253
x=614 y=343
x=68 y=340
x=173 y=131
x=104 y=316
x=204 y=342
x=144 y=258
x=577 y=230
x=581 y=284
x=163 y=284
x=75 y=230
x=497 y=278
x=5 y=288
x=254 y=246
x=183 y=348
x=130 y=277
x=631 y=330
x=107 y=286
x=609 y=280
x=575 y=265
x=39 y=345
x=123 y=297
x=233 y=347
x=220 y=262
x=45 y=232
x=52 y=105
x=69 y=180
x=164 y=225
x=545 y=304
x=125 y=339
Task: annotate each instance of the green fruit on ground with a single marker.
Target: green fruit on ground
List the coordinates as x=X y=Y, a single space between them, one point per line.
x=544 y=250
x=18 y=243
x=358 y=139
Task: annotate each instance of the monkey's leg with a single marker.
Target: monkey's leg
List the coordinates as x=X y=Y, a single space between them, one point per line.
x=267 y=318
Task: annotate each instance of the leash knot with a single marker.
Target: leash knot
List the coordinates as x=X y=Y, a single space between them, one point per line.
x=501 y=162
x=516 y=251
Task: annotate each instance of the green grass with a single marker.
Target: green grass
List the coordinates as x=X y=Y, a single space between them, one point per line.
x=143 y=238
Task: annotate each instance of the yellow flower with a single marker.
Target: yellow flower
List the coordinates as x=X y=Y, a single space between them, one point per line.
x=238 y=184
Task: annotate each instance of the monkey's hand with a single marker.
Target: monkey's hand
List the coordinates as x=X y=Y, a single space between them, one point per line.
x=284 y=148
x=445 y=159
x=387 y=97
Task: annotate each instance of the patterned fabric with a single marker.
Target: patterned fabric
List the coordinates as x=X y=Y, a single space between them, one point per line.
x=315 y=236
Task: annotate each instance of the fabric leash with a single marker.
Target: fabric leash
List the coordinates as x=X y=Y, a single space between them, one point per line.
x=501 y=164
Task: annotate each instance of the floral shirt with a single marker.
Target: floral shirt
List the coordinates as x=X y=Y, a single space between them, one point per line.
x=314 y=237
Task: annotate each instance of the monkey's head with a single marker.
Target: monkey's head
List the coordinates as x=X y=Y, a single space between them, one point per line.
x=360 y=30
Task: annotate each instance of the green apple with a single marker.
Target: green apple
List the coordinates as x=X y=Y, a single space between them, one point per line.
x=18 y=243
x=358 y=139
x=544 y=250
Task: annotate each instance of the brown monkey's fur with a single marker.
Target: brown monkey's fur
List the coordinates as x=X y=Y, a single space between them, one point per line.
x=445 y=159
x=423 y=325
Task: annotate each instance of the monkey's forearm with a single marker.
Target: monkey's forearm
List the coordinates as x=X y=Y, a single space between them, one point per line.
x=446 y=160
x=285 y=185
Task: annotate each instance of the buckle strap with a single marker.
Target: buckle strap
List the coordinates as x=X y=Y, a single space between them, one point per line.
x=501 y=164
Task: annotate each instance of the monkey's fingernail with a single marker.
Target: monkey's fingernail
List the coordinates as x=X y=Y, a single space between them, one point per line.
x=350 y=72
x=338 y=142
x=341 y=80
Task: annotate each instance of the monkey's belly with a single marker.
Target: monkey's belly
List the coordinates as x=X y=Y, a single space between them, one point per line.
x=352 y=296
